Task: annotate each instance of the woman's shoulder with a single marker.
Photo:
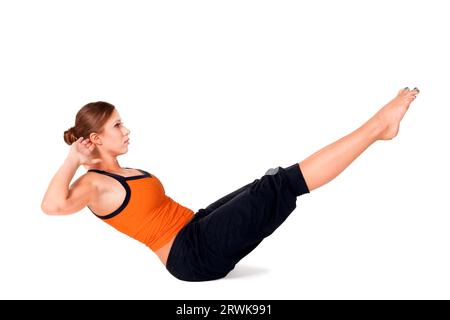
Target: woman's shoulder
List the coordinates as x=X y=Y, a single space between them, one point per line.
x=126 y=172
x=101 y=181
x=91 y=177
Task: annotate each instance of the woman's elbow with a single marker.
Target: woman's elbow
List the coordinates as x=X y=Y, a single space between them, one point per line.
x=49 y=209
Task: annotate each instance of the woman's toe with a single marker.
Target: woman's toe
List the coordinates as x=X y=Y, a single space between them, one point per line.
x=414 y=93
x=406 y=90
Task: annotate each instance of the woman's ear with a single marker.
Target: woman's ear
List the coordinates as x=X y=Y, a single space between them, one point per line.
x=94 y=138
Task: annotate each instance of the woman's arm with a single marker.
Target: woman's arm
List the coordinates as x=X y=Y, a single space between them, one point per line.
x=58 y=190
x=59 y=198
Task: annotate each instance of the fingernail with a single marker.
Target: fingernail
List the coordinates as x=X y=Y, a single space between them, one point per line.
x=417 y=89
x=406 y=88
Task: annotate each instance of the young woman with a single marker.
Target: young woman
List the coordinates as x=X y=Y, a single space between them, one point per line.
x=205 y=245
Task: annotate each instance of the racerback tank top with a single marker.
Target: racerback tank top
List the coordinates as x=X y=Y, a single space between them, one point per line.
x=146 y=214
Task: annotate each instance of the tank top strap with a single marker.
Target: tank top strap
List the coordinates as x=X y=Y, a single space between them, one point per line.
x=123 y=178
x=123 y=182
x=113 y=175
x=145 y=173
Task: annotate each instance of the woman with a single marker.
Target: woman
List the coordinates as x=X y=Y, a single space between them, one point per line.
x=205 y=245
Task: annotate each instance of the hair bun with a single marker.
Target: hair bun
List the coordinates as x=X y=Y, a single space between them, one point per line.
x=70 y=136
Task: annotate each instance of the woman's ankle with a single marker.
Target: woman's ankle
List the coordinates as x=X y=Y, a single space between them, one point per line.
x=374 y=128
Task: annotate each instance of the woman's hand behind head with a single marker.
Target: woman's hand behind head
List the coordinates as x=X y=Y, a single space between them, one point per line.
x=82 y=151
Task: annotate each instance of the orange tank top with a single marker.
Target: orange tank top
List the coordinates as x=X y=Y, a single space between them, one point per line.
x=146 y=213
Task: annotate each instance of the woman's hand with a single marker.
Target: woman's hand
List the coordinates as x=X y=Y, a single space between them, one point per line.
x=81 y=151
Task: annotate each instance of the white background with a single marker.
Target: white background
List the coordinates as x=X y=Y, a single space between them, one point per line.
x=215 y=93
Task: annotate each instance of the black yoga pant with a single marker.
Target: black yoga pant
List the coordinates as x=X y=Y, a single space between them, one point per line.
x=219 y=236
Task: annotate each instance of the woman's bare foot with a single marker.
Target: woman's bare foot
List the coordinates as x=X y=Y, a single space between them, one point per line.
x=391 y=114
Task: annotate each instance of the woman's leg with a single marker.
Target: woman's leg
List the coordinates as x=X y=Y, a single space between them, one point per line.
x=218 y=203
x=327 y=163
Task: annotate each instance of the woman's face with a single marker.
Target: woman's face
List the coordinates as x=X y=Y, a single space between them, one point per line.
x=115 y=135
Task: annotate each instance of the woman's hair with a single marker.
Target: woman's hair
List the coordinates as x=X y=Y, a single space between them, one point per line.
x=89 y=118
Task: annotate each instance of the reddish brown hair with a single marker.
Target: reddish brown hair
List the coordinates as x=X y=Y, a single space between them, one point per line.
x=89 y=118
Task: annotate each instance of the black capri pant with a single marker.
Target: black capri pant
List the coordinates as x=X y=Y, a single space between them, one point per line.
x=219 y=236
